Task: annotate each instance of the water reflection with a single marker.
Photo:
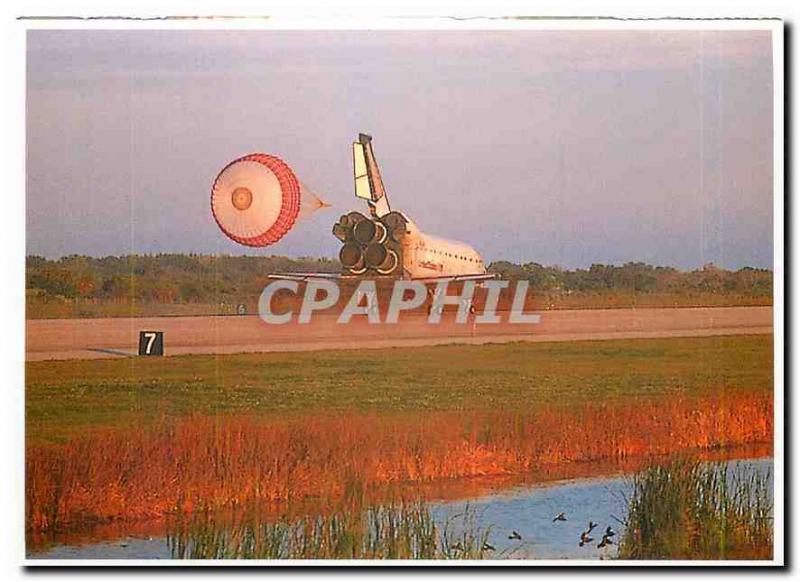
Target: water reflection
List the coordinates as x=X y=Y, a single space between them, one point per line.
x=531 y=512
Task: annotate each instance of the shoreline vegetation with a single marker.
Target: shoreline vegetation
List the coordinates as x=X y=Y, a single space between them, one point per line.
x=174 y=284
x=397 y=530
x=218 y=463
x=685 y=509
x=457 y=492
x=689 y=510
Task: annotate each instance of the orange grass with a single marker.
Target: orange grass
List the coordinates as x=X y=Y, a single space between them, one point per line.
x=217 y=462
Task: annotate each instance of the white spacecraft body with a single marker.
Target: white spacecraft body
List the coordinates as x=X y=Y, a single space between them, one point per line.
x=427 y=256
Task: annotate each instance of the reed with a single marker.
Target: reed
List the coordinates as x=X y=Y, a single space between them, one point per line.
x=699 y=511
x=217 y=462
x=396 y=531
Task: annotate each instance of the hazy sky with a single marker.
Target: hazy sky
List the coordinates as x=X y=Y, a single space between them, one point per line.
x=559 y=147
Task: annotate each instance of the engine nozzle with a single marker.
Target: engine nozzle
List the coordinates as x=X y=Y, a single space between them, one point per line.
x=378 y=257
x=351 y=256
x=369 y=231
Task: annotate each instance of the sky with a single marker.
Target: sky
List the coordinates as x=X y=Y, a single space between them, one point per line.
x=558 y=147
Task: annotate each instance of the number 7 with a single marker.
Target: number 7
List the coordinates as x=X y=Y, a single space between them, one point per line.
x=151 y=337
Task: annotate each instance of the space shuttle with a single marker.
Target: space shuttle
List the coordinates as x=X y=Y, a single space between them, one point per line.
x=387 y=243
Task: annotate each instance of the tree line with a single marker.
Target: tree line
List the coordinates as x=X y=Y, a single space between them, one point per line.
x=638 y=277
x=195 y=278
x=161 y=278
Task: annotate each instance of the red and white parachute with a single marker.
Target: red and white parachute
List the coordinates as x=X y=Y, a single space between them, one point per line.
x=257 y=199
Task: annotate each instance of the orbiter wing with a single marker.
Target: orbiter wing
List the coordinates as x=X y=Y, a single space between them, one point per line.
x=481 y=277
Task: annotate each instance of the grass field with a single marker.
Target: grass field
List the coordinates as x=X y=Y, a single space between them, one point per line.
x=68 y=397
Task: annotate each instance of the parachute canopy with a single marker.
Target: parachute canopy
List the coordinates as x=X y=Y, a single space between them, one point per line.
x=257 y=199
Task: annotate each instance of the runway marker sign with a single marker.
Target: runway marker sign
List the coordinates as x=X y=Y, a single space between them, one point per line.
x=151 y=343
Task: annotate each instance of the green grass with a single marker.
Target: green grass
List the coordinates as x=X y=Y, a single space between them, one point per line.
x=696 y=511
x=397 y=531
x=67 y=396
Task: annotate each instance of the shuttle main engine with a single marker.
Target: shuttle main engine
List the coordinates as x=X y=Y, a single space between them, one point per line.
x=373 y=245
x=257 y=199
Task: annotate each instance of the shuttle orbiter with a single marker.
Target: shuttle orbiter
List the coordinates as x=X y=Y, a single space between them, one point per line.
x=389 y=244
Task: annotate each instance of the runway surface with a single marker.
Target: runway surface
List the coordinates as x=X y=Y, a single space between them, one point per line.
x=60 y=339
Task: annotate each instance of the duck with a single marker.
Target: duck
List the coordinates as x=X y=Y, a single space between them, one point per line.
x=606 y=541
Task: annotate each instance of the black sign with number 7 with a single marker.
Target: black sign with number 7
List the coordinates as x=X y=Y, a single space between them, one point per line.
x=151 y=343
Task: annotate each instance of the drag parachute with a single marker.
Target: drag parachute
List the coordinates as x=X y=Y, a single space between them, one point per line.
x=257 y=199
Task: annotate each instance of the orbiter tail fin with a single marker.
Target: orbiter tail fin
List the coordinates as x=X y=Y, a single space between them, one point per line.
x=368 y=181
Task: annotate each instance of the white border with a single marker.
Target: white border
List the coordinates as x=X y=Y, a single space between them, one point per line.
x=16 y=66
x=402 y=23
x=778 y=282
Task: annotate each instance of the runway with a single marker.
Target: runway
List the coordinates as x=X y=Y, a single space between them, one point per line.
x=61 y=339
